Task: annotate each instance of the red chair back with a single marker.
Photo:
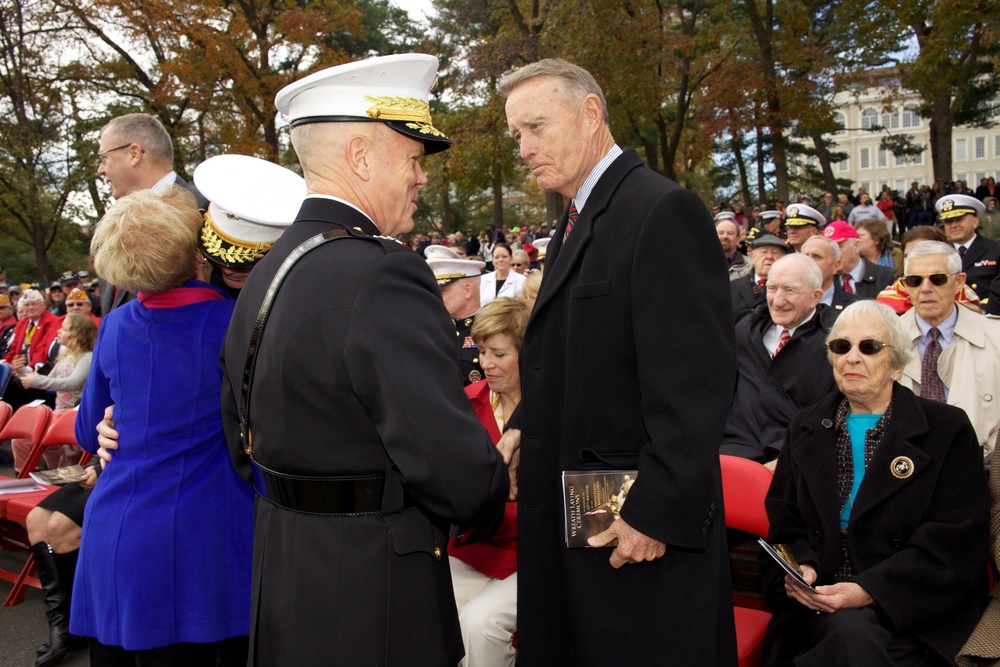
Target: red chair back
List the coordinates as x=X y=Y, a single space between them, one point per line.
x=29 y=422
x=5 y=413
x=60 y=430
x=744 y=488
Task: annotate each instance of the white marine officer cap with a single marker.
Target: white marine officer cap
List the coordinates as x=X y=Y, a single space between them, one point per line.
x=541 y=245
x=800 y=215
x=447 y=271
x=954 y=206
x=437 y=251
x=769 y=215
x=725 y=215
x=392 y=89
x=252 y=201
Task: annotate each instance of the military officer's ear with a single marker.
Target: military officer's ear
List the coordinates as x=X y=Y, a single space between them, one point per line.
x=358 y=153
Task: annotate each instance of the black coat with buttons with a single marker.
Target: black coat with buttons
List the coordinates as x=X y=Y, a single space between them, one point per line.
x=917 y=543
x=627 y=363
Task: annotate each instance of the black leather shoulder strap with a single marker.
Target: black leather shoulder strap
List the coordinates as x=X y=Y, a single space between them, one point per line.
x=258 y=328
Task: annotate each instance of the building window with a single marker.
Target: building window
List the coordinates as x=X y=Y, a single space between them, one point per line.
x=919 y=157
x=841 y=122
x=996 y=146
x=869 y=118
x=979 y=148
x=883 y=158
x=867 y=185
x=900 y=160
x=910 y=116
x=960 y=176
x=960 y=151
x=843 y=165
x=900 y=185
x=890 y=119
x=865 y=159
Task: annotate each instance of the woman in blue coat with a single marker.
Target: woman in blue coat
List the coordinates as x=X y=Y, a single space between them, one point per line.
x=164 y=567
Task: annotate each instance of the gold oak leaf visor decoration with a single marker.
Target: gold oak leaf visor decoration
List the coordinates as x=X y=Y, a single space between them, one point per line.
x=228 y=251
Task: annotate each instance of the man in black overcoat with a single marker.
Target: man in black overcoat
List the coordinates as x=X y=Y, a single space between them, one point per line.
x=364 y=447
x=627 y=363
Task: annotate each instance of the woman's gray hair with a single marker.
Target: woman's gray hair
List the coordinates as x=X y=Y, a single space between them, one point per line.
x=928 y=248
x=868 y=311
x=580 y=82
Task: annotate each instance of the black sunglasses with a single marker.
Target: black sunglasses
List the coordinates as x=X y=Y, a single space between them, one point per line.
x=937 y=279
x=868 y=346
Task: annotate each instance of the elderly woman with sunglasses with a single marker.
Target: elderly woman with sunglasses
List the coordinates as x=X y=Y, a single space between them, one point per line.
x=881 y=498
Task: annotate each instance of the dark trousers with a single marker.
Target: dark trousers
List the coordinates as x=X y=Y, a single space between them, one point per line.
x=227 y=653
x=846 y=638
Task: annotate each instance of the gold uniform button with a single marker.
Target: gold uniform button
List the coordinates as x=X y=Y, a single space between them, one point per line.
x=476 y=360
x=437 y=552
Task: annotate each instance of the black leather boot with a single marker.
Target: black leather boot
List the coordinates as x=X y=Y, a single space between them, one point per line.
x=56 y=576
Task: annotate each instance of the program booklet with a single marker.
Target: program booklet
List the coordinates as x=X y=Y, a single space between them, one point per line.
x=9 y=485
x=592 y=500
x=59 y=476
x=785 y=559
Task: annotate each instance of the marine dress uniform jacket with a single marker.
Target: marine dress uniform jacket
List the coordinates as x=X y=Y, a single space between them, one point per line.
x=874 y=279
x=363 y=378
x=917 y=544
x=628 y=361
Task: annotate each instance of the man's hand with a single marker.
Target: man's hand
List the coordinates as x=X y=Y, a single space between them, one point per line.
x=771 y=465
x=510 y=449
x=828 y=599
x=18 y=362
x=633 y=547
x=107 y=436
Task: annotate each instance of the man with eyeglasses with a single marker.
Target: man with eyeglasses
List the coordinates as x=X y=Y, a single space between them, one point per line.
x=956 y=351
x=781 y=361
x=980 y=256
x=135 y=152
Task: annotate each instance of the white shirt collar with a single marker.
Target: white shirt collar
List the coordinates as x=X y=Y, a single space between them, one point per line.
x=168 y=179
x=595 y=174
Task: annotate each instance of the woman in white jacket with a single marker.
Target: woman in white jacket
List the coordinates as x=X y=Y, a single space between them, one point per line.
x=502 y=281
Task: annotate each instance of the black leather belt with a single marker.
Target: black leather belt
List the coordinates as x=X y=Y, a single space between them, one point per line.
x=345 y=496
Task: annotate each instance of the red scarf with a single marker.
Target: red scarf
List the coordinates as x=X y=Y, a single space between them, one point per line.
x=188 y=293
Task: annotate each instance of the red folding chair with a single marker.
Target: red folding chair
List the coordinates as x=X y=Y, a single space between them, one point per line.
x=744 y=487
x=30 y=423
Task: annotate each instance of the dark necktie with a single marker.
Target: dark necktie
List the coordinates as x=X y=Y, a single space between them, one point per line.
x=573 y=215
x=961 y=251
x=847 y=284
x=931 y=386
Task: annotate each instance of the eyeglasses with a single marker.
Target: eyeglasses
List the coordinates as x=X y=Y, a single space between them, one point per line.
x=868 y=346
x=102 y=158
x=937 y=279
x=517 y=264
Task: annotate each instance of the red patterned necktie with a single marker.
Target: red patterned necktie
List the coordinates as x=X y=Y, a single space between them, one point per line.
x=573 y=215
x=847 y=284
x=782 y=340
x=931 y=386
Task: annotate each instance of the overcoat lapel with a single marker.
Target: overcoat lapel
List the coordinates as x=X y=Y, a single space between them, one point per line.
x=816 y=461
x=566 y=253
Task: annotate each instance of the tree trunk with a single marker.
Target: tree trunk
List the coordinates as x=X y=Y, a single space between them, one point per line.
x=741 y=167
x=940 y=135
x=497 y=195
x=823 y=155
x=554 y=207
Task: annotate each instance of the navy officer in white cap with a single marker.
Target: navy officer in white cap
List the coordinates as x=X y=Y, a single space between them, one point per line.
x=801 y=222
x=345 y=406
x=959 y=215
x=459 y=282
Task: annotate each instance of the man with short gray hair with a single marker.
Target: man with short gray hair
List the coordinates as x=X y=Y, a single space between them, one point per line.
x=781 y=360
x=630 y=243
x=956 y=351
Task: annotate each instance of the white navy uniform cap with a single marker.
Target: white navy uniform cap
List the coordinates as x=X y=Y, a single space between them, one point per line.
x=954 y=206
x=392 y=89
x=542 y=245
x=800 y=215
x=252 y=202
x=769 y=215
x=725 y=215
